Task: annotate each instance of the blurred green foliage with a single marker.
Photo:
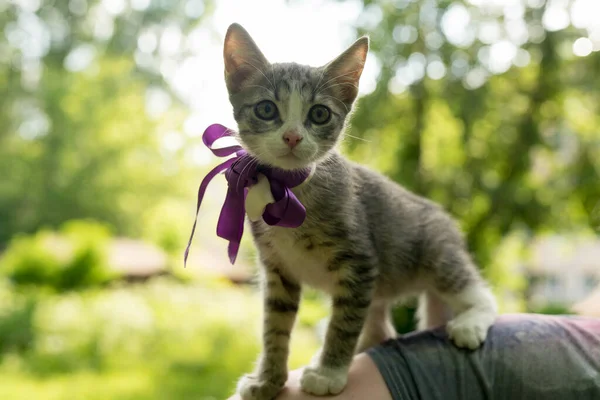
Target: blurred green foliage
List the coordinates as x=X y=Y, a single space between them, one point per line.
x=404 y=319
x=72 y=258
x=553 y=309
x=16 y=320
x=77 y=121
x=490 y=114
x=160 y=340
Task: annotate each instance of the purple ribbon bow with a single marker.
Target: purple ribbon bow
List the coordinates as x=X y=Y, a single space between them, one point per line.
x=241 y=172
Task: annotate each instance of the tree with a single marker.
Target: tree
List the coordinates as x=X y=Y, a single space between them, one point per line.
x=81 y=86
x=483 y=107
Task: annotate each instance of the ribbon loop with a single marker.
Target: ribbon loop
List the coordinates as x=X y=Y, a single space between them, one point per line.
x=241 y=172
x=215 y=132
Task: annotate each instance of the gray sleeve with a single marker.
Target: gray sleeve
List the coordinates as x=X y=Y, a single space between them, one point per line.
x=524 y=357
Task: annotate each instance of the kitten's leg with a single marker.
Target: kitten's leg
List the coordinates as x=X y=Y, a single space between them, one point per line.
x=475 y=309
x=378 y=326
x=281 y=300
x=459 y=284
x=432 y=311
x=328 y=374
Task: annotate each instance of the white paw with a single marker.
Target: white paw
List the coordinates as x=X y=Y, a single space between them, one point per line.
x=258 y=197
x=251 y=387
x=322 y=381
x=468 y=330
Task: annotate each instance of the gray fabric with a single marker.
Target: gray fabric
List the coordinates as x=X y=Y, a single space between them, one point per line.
x=525 y=356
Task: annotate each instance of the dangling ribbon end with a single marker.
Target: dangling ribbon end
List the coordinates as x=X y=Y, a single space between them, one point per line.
x=185 y=256
x=232 y=251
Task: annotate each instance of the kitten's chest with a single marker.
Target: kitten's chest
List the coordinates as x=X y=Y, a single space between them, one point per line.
x=304 y=257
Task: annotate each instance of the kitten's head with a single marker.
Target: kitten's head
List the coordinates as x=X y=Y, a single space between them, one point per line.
x=289 y=115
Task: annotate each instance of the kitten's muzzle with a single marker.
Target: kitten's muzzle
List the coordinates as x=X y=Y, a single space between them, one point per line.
x=292 y=138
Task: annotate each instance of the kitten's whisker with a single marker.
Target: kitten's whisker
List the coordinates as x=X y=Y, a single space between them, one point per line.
x=357 y=138
x=226 y=133
x=273 y=76
x=335 y=77
x=230 y=132
x=335 y=98
x=260 y=86
x=320 y=79
x=339 y=84
x=263 y=74
x=253 y=161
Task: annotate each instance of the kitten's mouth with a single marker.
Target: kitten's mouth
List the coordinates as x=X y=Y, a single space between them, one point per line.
x=290 y=160
x=290 y=156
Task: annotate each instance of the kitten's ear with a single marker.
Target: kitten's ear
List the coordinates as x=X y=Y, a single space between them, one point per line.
x=344 y=72
x=242 y=57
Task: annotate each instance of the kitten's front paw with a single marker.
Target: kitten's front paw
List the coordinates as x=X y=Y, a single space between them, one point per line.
x=469 y=330
x=251 y=387
x=322 y=381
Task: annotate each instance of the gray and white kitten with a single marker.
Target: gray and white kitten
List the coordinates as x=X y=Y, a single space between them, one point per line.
x=366 y=241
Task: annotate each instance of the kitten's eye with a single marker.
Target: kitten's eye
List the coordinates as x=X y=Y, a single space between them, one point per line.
x=319 y=114
x=266 y=110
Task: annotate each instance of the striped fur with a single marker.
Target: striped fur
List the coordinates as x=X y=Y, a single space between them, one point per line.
x=366 y=241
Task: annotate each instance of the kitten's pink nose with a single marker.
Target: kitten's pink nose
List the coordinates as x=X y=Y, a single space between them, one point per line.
x=292 y=138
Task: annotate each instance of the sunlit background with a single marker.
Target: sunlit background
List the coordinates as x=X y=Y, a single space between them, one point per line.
x=489 y=107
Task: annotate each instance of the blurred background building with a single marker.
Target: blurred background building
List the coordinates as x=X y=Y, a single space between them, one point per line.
x=563 y=271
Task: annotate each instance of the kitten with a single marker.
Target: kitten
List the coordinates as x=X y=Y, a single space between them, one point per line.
x=366 y=241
